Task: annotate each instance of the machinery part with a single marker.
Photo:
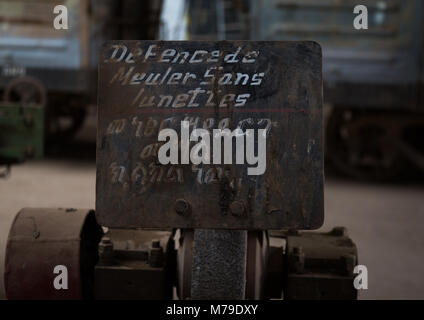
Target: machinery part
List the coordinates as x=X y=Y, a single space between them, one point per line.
x=250 y=270
x=156 y=256
x=275 y=269
x=219 y=264
x=64 y=113
x=320 y=266
x=135 y=264
x=21 y=132
x=184 y=256
x=276 y=265
x=364 y=144
x=105 y=251
x=257 y=264
x=25 y=91
x=41 y=239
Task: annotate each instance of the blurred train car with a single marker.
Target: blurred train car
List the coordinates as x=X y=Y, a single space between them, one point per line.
x=373 y=79
x=58 y=68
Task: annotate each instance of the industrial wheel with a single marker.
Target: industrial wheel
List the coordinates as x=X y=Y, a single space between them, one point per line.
x=41 y=240
x=25 y=90
x=361 y=144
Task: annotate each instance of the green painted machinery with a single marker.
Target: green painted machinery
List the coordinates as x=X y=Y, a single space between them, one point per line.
x=21 y=133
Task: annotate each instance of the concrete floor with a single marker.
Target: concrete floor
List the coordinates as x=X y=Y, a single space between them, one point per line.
x=386 y=222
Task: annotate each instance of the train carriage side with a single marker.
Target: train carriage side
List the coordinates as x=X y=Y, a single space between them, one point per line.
x=373 y=77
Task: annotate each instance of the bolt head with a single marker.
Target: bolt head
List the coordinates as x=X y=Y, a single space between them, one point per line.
x=182 y=206
x=237 y=208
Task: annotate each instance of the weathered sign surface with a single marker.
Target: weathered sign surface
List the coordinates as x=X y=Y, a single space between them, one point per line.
x=269 y=97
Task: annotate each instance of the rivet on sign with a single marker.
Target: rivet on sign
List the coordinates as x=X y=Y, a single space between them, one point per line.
x=237 y=208
x=182 y=206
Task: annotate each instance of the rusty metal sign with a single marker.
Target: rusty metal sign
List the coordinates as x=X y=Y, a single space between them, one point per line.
x=162 y=159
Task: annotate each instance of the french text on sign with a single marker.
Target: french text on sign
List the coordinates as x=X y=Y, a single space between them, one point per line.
x=263 y=97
